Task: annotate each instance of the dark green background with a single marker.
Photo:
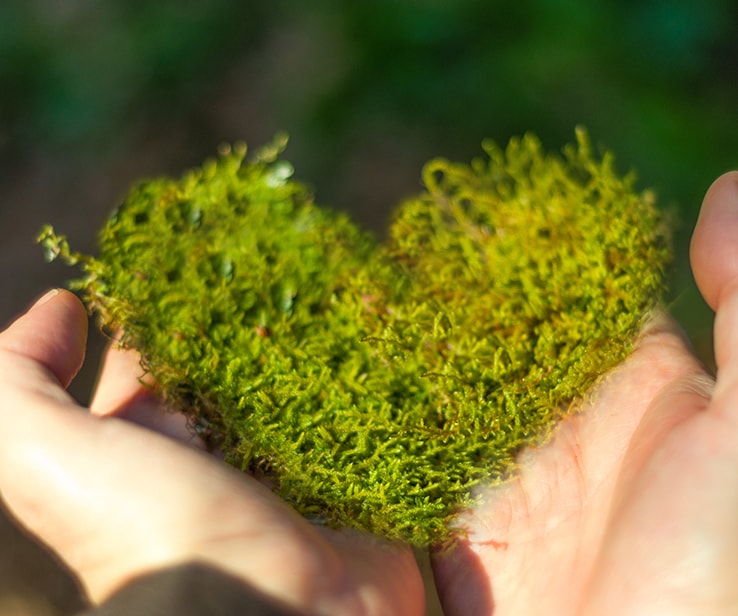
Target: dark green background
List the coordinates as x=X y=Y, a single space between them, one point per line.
x=94 y=95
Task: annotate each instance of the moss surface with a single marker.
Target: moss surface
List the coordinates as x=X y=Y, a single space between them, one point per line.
x=376 y=383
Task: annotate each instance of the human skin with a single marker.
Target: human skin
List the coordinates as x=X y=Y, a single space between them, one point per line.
x=629 y=509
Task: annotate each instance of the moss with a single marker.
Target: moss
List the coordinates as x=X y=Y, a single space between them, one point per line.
x=375 y=384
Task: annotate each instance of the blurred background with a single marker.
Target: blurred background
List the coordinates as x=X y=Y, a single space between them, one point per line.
x=95 y=95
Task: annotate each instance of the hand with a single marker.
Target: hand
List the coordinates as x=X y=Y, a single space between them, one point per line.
x=115 y=496
x=632 y=508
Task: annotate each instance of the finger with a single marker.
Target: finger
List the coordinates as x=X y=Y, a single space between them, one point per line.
x=81 y=485
x=714 y=255
x=53 y=334
x=726 y=337
x=713 y=250
x=115 y=501
x=120 y=382
x=373 y=565
x=125 y=391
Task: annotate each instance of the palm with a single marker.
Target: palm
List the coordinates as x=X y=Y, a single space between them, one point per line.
x=576 y=529
x=631 y=508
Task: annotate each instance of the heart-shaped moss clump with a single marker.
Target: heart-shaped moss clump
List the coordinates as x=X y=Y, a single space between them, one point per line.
x=374 y=384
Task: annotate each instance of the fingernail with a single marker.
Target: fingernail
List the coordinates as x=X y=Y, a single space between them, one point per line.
x=46 y=297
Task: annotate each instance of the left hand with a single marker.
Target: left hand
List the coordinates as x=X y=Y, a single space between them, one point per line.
x=124 y=490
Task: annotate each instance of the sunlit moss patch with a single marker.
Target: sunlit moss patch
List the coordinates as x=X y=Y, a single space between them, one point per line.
x=375 y=384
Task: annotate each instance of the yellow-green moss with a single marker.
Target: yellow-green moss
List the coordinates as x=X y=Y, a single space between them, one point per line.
x=376 y=384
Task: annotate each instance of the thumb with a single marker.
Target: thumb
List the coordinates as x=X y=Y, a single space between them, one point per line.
x=713 y=250
x=714 y=254
x=726 y=341
x=53 y=334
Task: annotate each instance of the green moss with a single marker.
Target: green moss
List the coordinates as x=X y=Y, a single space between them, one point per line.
x=376 y=384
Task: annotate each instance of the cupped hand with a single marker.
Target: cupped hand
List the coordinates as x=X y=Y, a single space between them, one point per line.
x=124 y=490
x=632 y=507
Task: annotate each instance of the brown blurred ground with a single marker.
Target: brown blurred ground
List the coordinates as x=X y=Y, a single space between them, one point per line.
x=32 y=581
